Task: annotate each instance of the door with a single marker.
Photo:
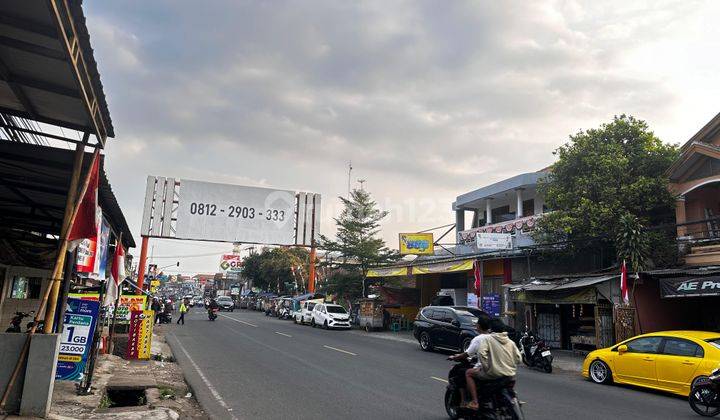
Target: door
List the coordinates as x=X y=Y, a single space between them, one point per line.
x=450 y=332
x=677 y=363
x=437 y=335
x=638 y=364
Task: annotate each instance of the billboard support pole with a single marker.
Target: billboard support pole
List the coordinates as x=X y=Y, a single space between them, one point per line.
x=143 y=263
x=311 y=271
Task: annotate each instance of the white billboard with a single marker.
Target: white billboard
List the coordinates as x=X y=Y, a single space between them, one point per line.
x=234 y=213
x=486 y=240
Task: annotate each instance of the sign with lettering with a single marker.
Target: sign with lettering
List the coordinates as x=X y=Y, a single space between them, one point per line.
x=417 y=244
x=491 y=304
x=78 y=329
x=690 y=286
x=486 y=240
x=140 y=335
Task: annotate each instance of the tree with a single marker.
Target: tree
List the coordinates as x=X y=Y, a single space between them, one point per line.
x=607 y=180
x=356 y=243
x=272 y=268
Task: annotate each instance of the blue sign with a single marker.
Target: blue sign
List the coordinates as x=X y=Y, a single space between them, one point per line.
x=78 y=330
x=491 y=304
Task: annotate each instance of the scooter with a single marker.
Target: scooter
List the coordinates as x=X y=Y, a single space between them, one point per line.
x=16 y=321
x=164 y=318
x=212 y=314
x=704 y=396
x=535 y=353
x=497 y=399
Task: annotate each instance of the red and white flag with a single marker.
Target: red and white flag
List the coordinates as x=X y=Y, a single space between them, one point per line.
x=85 y=223
x=117 y=274
x=624 y=284
x=477 y=273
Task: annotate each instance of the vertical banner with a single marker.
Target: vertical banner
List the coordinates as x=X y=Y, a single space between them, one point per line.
x=140 y=335
x=78 y=329
x=102 y=246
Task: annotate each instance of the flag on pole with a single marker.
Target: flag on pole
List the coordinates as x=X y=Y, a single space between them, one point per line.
x=477 y=273
x=624 y=284
x=117 y=274
x=85 y=221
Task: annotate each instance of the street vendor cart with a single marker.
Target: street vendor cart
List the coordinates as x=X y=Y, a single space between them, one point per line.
x=371 y=314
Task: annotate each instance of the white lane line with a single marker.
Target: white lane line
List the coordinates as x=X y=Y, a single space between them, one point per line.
x=210 y=386
x=283 y=334
x=439 y=379
x=341 y=350
x=237 y=320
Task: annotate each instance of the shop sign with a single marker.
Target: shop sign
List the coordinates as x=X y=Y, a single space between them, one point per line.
x=690 y=286
x=417 y=244
x=491 y=304
x=140 y=335
x=127 y=303
x=76 y=342
x=485 y=240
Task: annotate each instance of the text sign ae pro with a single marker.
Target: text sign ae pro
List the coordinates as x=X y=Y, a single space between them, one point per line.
x=234 y=213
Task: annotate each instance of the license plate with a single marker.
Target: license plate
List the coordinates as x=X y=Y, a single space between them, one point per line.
x=546 y=353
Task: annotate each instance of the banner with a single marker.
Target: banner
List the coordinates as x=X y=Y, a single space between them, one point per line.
x=231 y=262
x=491 y=304
x=78 y=329
x=140 y=335
x=101 y=251
x=128 y=303
x=690 y=286
x=486 y=240
x=417 y=244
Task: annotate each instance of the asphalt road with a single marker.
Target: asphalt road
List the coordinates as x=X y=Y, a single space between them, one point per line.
x=246 y=365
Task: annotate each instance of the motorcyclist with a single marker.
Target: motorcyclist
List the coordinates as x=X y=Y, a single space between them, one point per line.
x=212 y=305
x=497 y=357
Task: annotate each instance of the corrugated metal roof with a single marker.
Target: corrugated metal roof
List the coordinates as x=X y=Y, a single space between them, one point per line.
x=563 y=284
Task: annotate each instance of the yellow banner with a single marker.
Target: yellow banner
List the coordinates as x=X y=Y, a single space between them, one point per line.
x=69 y=358
x=145 y=336
x=387 y=272
x=417 y=244
x=447 y=267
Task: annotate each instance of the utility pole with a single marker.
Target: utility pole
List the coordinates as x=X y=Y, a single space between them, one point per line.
x=362 y=183
x=349 y=175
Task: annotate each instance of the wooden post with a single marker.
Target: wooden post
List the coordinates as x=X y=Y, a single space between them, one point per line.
x=70 y=204
x=121 y=271
x=57 y=270
x=143 y=263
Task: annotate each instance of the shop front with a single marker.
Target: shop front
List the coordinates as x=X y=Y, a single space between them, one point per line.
x=569 y=313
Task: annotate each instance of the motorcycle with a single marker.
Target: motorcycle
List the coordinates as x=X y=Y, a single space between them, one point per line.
x=535 y=353
x=16 y=321
x=212 y=314
x=164 y=318
x=704 y=396
x=497 y=399
x=284 y=313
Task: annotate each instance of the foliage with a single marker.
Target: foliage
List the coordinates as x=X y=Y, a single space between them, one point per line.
x=271 y=268
x=602 y=177
x=343 y=283
x=357 y=246
x=631 y=242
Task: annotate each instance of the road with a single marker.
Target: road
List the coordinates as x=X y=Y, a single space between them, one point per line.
x=246 y=365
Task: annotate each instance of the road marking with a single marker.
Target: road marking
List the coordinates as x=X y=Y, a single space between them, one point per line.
x=210 y=386
x=340 y=350
x=237 y=320
x=439 y=379
x=283 y=334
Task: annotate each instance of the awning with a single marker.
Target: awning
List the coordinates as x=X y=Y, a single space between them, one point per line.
x=564 y=291
x=444 y=267
x=387 y=272
x=540 y=286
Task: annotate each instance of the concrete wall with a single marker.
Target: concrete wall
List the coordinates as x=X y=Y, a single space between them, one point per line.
x=9 y=306
x=35 y=383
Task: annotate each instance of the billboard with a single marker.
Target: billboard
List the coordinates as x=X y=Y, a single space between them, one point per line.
x=417 y=244
x=231 y=262
x=487 y=240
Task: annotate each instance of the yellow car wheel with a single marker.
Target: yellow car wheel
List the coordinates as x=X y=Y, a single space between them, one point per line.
x=600 y=372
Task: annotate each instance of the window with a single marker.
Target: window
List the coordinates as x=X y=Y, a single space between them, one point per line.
x=502 y=214
x=528 y=207
x=310 y=306
x=443 y=315
x=644 y=345
x=318 y=308
x=336 y=310
x=680 y=347
x=25 y=287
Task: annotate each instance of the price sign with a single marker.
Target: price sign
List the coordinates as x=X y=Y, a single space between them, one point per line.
x=78 y=329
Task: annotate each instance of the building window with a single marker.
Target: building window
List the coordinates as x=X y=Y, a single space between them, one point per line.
x=25 y=287
x=528 y=207
x=502 y=214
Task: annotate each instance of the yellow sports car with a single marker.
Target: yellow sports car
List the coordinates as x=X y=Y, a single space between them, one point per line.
x=667 y=360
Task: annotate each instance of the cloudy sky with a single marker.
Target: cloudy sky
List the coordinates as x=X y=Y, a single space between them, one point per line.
x=428 y=99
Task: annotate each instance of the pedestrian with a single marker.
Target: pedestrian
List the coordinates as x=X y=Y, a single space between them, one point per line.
x=183 y=309
x=157 y=307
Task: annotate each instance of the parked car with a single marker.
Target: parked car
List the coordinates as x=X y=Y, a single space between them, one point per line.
x=496 y=324
x=304 y=314
x=225 y=303
x=330 y=316
x=672 y=361
x=444 y=327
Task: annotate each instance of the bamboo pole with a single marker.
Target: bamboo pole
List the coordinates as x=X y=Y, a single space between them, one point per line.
x=117 y=299
x=57 y=270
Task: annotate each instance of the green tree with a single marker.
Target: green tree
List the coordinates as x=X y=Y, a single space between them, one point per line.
x=603 y=177
x=272 y=268
x=356 y=243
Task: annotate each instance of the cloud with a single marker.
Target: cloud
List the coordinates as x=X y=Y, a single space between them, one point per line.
x=427 y=98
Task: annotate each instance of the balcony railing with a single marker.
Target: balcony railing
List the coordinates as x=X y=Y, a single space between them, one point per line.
x=467 y=237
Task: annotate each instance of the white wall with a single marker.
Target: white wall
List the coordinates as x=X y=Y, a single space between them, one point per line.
x=9 y=306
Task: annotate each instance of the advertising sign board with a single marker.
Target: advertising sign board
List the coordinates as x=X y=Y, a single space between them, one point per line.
x=231 y=262
x=140 y=335
x=234 y=213
x=690 y=286
x=76 y=342
x=127 y=303
x=491 y=304
x=487 y=240
x=417 y=244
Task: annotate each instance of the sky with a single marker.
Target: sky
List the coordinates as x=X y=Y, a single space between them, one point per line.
x=427 y=99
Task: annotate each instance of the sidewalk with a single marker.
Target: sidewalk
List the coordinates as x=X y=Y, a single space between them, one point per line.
x=157 y=385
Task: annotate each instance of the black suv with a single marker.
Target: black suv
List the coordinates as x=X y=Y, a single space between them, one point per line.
x=451 y=327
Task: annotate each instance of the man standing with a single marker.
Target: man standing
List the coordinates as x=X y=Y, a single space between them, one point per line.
x=497 y=357
x=157 y=307
x=183 y=308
